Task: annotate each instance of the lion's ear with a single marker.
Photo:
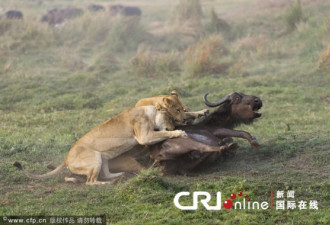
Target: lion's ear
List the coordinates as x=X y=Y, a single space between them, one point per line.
x=175 y=93
x=158 y=107
x=167 y=102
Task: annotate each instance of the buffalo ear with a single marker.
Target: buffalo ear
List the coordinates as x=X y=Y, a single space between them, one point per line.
x=236 y=97
x=167 y=102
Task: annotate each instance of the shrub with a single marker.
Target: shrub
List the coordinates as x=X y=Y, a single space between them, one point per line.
x=5 y=26
x=217 y=24
x=24 y=36
x=88 y=30
x=205 y=57
x=152 y=64
x=186 y=21
x=125 y=34
x=116 y=34
x=174 y=36
x=293 y=16
x=174 y=39
x=188 y=10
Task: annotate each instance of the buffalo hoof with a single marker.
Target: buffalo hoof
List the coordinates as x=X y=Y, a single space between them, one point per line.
x=255 y=144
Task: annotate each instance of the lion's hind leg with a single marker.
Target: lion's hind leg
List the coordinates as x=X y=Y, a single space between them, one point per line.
x=85 y=161
x=125 y=163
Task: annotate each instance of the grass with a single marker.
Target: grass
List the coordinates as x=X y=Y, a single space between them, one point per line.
x=217 y=24
x=293 y=16
x=57 y=84
x=188 y=10
x=150 y=64
x=205 y=57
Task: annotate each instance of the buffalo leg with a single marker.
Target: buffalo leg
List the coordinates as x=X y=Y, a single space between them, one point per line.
x=185 y=164
x=236 y=133
x=183 y=145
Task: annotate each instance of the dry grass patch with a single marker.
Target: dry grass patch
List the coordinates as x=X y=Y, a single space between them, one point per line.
x=188 y=30
x=217 y=25
x=324 y=62
x=24 y=35
x=250 y=44
x=148 y=63
x=188 y=10
x=206 y=57
x=177 y=36
x=293 y=16
x=106 y=62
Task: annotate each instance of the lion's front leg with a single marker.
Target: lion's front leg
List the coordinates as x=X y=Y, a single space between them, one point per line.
x=145 y=135
x=191 y=116
x=199 y=113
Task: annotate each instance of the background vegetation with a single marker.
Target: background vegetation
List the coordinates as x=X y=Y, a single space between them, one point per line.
x=58 y=83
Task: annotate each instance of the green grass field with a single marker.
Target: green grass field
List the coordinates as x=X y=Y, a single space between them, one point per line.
x=56 y=84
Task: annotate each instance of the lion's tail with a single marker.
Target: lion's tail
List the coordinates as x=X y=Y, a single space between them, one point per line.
x=42 y=176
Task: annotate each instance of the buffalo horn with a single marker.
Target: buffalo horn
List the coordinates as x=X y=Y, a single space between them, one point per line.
x=214 y=104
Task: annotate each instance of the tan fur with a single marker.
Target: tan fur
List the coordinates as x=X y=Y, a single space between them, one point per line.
x=91 y=154
x=127 y=162
x=163 y=119
x=176 y=109
x=170 y=102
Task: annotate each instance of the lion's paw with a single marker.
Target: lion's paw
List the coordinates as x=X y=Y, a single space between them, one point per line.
x=180 y=133
x=203 y=112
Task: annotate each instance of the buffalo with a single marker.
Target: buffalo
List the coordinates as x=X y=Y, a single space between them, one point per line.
x=14 y=14
x=57 y=16
x=125 y=10
x=95 y=8
x=185 y=154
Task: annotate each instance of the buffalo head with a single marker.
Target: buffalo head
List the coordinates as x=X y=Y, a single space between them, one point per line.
x=236 y=108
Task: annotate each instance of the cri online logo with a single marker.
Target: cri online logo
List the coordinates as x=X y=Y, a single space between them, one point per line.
x=282 y=202
x=227 y=204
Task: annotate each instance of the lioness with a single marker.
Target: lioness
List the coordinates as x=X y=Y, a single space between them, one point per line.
x=173 y=99
x=90 y=154
x=170 y=105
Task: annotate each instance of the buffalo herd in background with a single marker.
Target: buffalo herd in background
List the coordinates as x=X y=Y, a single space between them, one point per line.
x=56 y=16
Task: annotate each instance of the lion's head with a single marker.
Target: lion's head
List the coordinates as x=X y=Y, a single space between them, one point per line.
x=164 y=120
x=174 y=107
